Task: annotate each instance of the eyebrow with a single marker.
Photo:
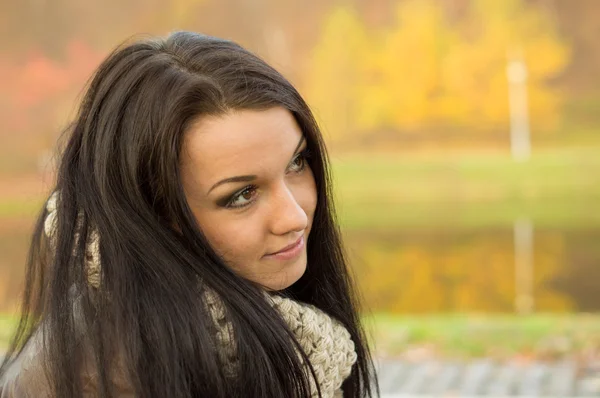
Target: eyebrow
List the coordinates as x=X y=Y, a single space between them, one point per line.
x=252 y=177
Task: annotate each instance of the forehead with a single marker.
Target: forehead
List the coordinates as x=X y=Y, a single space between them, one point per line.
x=239 y=143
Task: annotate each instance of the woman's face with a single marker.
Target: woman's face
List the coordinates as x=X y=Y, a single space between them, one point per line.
x=250 y=188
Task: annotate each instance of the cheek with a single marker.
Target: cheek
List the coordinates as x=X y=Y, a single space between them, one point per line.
x=309 y=197
x=237 y=242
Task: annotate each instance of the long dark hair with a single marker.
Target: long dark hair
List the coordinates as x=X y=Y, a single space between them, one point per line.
x=119 y=170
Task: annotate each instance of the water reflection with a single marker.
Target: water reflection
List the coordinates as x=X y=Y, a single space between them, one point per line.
x=447 y=270
x=421 y=271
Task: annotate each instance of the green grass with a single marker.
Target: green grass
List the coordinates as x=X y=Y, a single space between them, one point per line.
x=548 y=336
x=464 y=335
x=555 y=188
x=15 y=208
x=8 y=323
x=558 y=187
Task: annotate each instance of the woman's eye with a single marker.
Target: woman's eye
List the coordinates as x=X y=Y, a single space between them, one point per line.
x=299 y=162
x=246 y=196
x=243 y=198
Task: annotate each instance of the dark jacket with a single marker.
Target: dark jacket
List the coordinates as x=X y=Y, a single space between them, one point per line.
x=26 y=378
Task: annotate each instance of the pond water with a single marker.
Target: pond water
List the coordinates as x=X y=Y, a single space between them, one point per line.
x=429 y=270
x=473 y=270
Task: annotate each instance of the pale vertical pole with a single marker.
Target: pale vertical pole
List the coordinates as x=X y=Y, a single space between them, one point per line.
x=520 y=143
x=524 y=263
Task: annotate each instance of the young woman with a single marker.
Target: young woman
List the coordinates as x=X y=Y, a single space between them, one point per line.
x=190 y=247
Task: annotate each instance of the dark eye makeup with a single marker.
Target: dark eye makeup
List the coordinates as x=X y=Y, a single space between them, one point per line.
x=227 y=202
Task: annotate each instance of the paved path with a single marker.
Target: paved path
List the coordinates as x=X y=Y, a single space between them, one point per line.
x=487 y=378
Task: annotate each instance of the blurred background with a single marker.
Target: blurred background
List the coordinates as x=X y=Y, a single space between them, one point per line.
x=463 y=135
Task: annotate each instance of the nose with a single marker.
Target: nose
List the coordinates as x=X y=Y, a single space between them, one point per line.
x=287 y=214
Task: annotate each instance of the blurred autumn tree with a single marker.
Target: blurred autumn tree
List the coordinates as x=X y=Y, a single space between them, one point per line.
x=428 y=71
x=383 y=69
x=44 y=67
x=338 y=73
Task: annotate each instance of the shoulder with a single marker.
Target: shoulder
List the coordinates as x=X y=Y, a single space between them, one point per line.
x=26 y=376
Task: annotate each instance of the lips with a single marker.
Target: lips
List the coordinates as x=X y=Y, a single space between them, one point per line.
x=288 y=246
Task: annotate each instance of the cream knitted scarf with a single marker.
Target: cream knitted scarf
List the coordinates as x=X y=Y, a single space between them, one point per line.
x=325 y=341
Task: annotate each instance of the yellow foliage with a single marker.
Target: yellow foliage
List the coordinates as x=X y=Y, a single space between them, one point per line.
x=407 y=58
x=337 y=72
x=426 y=70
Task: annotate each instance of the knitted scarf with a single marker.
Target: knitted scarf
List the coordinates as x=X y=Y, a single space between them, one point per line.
x=324 y=340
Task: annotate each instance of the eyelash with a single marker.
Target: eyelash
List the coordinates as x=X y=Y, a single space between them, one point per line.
x=304 y=155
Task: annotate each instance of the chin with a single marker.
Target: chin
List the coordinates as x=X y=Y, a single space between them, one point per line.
x=288 y=277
